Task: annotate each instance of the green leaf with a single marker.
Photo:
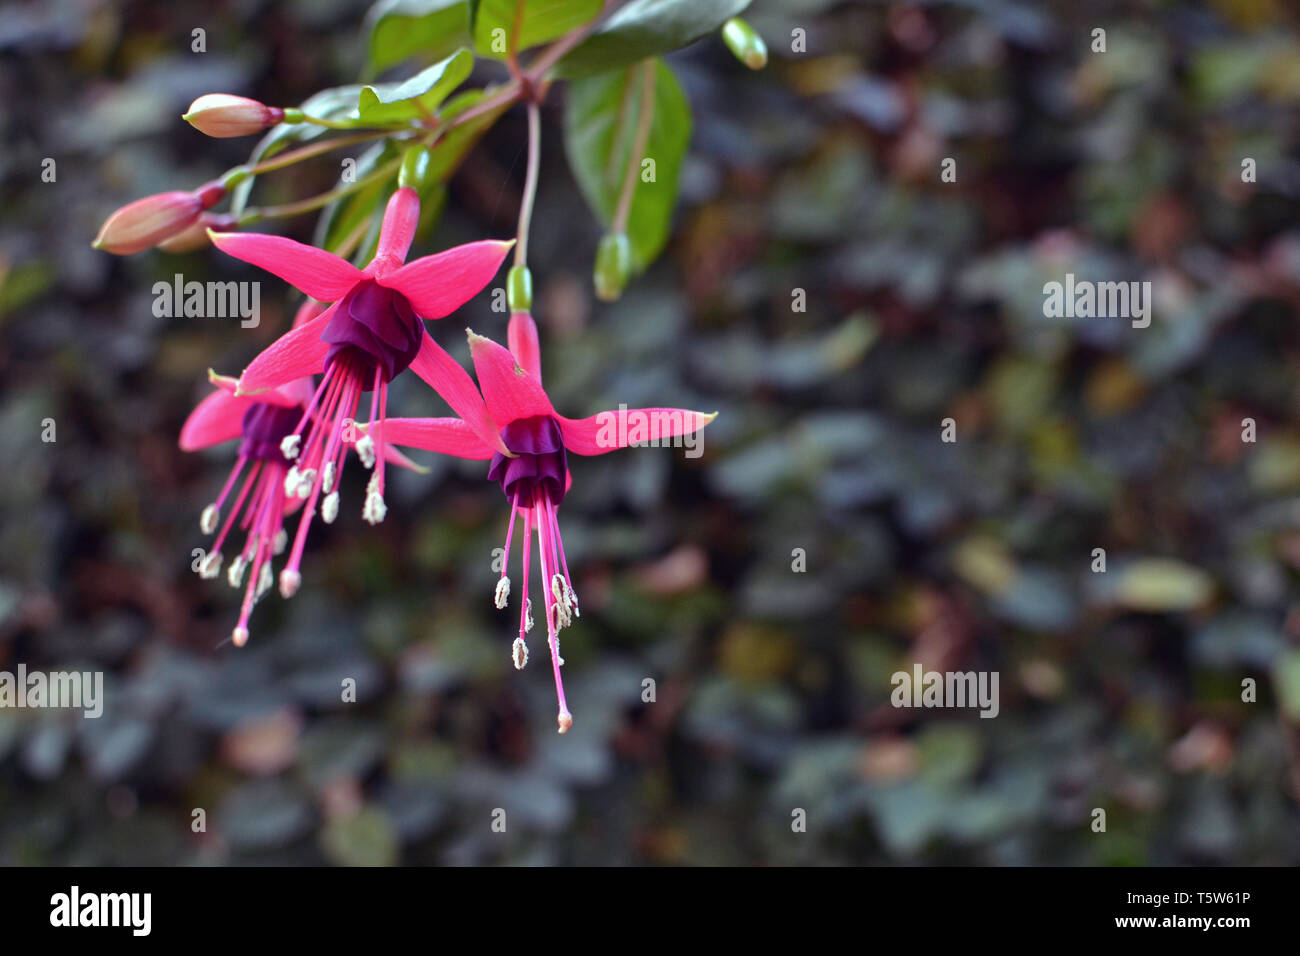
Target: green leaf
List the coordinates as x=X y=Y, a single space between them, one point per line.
x=647 y=28
x=500 y=26
x=400 y=29
x=418 y=96
x=450 y=149
x=336 y=103
x=341 y=218
x=599 y=131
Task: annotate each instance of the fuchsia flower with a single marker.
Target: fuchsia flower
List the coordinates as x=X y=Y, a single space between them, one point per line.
x=371 y=334
x=260 y=424
x=266 y=497
x=532 y=468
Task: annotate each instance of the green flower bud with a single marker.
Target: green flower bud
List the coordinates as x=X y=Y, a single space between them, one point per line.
x=613 y=266
x=415 y=167
x=745 y=43
x=519 y=289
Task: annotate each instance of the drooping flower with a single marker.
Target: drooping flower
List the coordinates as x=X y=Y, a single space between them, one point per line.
x=261 y=504
x=533 y=469
x=266 y=497
x=371 y=334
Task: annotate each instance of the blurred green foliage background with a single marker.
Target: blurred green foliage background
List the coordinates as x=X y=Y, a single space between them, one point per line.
x=1120 y=691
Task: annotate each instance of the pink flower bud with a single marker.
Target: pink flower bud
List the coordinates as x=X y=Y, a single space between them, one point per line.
x=146 y=222
x=221 y=115
x=196 y=236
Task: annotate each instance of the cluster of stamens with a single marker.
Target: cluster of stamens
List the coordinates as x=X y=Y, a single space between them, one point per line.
x=533 y=480
x=373 y=334
x=318 y=449
x=261 y=503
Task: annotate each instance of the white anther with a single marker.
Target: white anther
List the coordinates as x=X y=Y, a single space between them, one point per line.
x=208 y=520
x=290 y=581
x=291 y=481
x=235 y=573
x=520 y=653
x=211 y=565
x=503 y=592
x=240 y=636
x=329 y=509
x=289 y=446
x=305 y=481
x=374 y=509
x=563 y=609
x=281 y=541
x=264 y=580
x=328 y=475
x=366 y=451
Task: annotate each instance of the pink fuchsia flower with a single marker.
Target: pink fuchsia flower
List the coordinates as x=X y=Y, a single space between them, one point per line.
x=372 y=333
x=267 y=496
x=533 y=470
x=261 y=504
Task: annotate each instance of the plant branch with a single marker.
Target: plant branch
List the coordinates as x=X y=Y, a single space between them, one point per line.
x=324 y=199
x=530 y=184
x=351 y=124
x=315 y=149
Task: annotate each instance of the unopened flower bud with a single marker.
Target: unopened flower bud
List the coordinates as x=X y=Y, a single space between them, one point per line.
x=613 y=266
x=146 y=222
x=744 y=41
x=415 y=167
x=196 y=236
x=519 y=289
x=221 y=115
